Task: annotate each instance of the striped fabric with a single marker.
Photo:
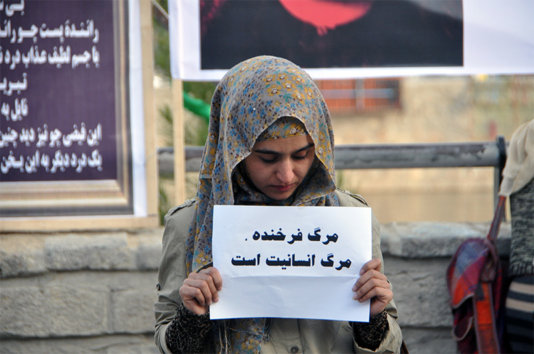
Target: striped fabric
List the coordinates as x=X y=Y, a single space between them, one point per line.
x=520 y=314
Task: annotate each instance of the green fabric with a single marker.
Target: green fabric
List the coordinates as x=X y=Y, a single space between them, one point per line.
x=197 y=106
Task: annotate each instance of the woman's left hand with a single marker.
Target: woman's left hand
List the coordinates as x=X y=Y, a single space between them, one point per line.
x=373 y=285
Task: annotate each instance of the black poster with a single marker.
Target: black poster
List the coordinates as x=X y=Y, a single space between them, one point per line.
x=60 y=110
x=333 y=33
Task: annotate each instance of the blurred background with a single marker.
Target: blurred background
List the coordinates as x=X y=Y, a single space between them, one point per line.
x=431 y=109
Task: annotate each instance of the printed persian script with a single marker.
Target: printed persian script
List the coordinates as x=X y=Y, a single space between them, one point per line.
x=300 y=261
x=57 y=109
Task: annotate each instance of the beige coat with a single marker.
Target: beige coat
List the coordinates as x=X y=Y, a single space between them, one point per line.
x=286 y=335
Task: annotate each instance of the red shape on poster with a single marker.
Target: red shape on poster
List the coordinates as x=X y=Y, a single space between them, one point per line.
x=326 y=15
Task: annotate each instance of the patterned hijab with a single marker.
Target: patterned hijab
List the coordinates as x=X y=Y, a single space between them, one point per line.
x=251 y=103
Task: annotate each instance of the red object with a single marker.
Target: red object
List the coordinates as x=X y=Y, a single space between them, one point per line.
x=326 y=15
x=475 y=284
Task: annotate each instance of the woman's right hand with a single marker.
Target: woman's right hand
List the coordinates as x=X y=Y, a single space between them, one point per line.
x=200 y=290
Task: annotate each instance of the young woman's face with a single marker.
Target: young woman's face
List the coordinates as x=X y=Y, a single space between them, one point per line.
x=278 y=167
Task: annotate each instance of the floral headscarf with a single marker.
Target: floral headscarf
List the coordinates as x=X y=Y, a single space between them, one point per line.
x=251 y=97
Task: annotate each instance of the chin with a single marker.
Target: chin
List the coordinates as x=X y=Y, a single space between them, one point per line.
x=281 y=196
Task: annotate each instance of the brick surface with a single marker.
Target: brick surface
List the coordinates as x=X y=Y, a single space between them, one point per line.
x=52 y=310
x=21 y=256
x=434 y=239
x=100 y=288
x=102 y=252
x=119 y=344
x=420 y=291
x=148 y=253
x=133 y=310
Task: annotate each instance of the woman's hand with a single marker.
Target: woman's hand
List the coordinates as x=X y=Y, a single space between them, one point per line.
x=200 y=290
x=373 y=285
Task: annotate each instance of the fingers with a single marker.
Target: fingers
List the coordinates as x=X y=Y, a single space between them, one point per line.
x=370 y=285
x=373 y=264
x=373 y=285
x=212 y=277
x=382 y=294
x=201 y=289
x=370 y=272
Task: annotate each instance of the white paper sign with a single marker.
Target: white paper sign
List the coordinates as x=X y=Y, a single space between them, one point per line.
x=290 y=262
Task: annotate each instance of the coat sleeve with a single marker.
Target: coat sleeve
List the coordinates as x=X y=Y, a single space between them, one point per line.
x=172 y=269
x=392 y=340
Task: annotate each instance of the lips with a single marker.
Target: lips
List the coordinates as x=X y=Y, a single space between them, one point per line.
x=283 y=188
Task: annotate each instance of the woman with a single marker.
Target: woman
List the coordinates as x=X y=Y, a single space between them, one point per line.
x=270 y=143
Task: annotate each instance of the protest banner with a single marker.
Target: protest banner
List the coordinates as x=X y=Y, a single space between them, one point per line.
x=353 y=39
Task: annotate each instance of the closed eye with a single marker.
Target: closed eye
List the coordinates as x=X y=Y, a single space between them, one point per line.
x=269 y=156
x=300 y=156
x=302 y=153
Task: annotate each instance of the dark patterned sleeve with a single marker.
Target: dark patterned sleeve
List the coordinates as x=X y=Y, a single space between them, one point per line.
x=370 y=335
x=187 y=332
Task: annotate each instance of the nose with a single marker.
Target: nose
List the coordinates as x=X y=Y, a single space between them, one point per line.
x=284 y=172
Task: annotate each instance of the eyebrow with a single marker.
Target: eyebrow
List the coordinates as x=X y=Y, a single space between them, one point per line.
x=271 y=152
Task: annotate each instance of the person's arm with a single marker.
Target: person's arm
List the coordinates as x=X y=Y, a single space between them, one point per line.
x=187 y=332
x=382 y=334
x=175 y=325
x=370 y=335
x=374 y=286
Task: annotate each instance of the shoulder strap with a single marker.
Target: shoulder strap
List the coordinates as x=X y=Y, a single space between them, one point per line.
x=485 y=319
x=492 y=262
x=486 y=299
x=497 y=218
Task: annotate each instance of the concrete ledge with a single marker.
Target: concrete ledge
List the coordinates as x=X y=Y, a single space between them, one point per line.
x=53 y=310
x=21 y=256
x=424 y=341
x=132 y=310
x=97 y=252
x=77 y=304
x=436 y=239
x=137 y=344
x=94 y=291
x=420 y=291
x=27 y=255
